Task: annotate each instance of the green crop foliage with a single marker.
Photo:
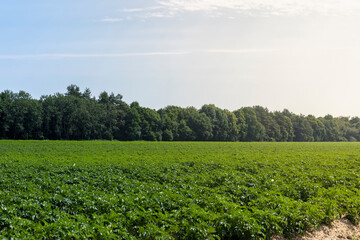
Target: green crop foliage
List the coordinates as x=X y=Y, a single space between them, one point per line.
x=174 y=190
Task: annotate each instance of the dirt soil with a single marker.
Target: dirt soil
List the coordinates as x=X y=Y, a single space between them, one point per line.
x=340 y=230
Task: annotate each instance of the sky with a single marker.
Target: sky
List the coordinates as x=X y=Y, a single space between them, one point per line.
x=302 y=55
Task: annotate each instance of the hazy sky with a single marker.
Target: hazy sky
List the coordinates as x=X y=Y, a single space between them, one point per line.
x=303 y=55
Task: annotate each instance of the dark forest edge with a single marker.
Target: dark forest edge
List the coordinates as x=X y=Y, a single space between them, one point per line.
x=78 y=115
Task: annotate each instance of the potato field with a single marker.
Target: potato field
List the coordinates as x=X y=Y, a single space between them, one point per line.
x=174 y=190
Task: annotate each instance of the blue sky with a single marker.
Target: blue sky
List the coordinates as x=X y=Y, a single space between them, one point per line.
x=300 y=55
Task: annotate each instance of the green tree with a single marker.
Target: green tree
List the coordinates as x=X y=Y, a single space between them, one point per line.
x=223 y=123
x=318 y=128
x=255 y=130
x=132 y=123
x=21 y=116
x=331 y=128
x=150 y=124
x=73 y=90
x=52 y=116
x=111 y=114
x=185 y=133
x=285 y=125
x=302 y=129
x=170 y=120
x=241 y=125
x=199 y=123
x=272 y=128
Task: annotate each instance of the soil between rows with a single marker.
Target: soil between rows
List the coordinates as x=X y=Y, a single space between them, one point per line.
x=339 y=230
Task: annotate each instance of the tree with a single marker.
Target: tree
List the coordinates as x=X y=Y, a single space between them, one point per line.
x=317 y=127
x=21 y=116
x=285 y=127
x=52 y=121
x=74 y=91
x=272 y=128
x=87 y=93
x=7 y=97
x=112 y=112
x=170 y=121
x=150 y=124
x=255 y=130
x=185 y=133
x=346 y=131
x=331 y=128
x=76 y=115
x=223 y=123
x=302 y=129
x=240 y=125
x=199 y=123
x=132 y=123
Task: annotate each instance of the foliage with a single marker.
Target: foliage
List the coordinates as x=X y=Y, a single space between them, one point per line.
x=147 y=190
x=78 y=115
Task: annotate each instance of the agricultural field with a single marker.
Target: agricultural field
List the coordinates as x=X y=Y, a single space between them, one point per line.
x=174 y=190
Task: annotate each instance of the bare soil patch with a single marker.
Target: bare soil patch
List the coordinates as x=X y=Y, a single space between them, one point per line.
x=339 y=230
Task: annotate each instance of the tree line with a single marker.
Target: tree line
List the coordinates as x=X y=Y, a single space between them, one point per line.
x=78 y=115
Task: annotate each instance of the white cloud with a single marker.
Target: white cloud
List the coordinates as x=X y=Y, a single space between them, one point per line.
x=239 y=51
x=74 y=55
x=265 y=7
x=142 y=13
x=131 y=10
x=135 y=54
x=134 y=10
x=162 y=14
x=231 y=8
x=111 y=20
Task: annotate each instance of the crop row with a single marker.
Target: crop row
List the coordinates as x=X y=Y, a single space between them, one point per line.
x=114 y=190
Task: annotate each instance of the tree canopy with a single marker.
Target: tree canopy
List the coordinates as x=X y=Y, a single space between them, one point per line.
x=77 y=115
